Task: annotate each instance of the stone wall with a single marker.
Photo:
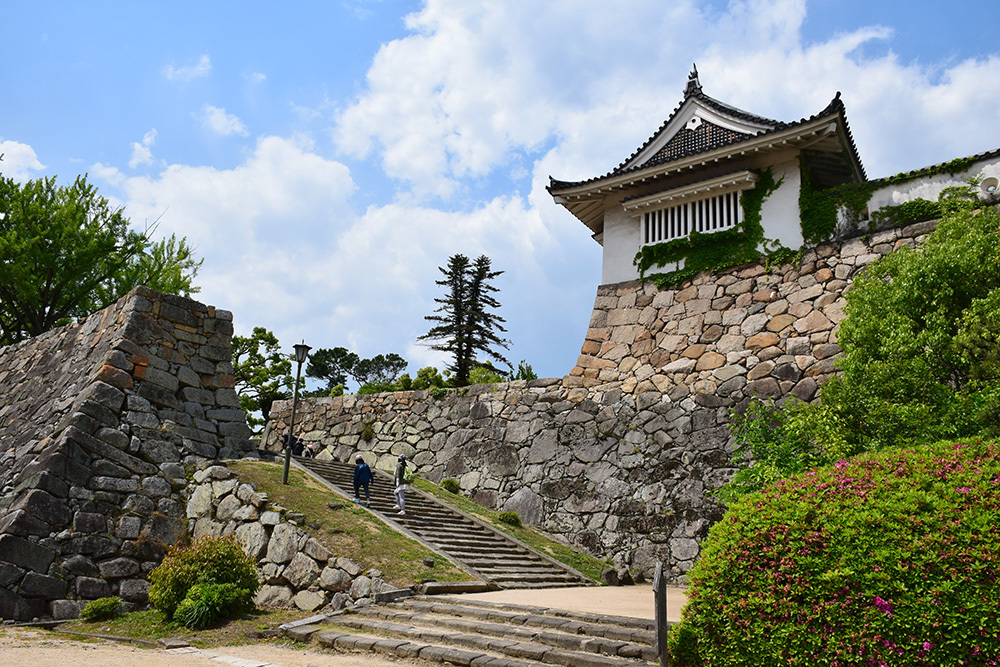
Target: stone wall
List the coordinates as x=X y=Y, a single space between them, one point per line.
x=99 y=421
x=620 y=456
x=296 y=569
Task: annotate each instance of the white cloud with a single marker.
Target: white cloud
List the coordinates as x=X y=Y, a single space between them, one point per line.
x=19 y=160
x=255 y=77
x=217 y=120
x=478 y=93
x=183 y=74
x=475 y=84
x=142 y=152
x=285 y=249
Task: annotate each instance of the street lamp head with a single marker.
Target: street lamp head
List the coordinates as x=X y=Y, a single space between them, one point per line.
x=301 y=352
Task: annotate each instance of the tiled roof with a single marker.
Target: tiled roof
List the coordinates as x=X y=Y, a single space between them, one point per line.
x=684 y=145
x=687 y=142
x=934 y=167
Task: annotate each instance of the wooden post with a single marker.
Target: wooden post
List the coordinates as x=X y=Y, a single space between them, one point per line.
x=660 y=602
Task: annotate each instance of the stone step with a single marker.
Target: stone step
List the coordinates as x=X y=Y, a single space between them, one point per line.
x=589 y=639
x=625 y=628
x=498 y=559
x=482 y=633
x=543 y=647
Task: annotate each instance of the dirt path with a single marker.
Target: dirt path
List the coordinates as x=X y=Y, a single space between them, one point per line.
x=26 y=647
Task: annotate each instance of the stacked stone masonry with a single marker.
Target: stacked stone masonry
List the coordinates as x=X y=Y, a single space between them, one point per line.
x=620 y=456
x=296 y=569
x=101 y=422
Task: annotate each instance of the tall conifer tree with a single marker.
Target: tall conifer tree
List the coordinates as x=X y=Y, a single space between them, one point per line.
x=465 y=323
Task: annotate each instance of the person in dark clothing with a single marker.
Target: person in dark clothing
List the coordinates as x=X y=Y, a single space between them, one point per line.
x=308 y=452
x=363 y=477
x=402 y=486
x=296 y=446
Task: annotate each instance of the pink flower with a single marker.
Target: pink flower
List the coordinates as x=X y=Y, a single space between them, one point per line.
x=883 y=606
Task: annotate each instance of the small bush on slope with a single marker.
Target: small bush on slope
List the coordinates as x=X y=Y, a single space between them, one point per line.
x=207 y=561
x=887 y=559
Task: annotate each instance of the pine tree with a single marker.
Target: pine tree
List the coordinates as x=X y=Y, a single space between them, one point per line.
x=465 y=323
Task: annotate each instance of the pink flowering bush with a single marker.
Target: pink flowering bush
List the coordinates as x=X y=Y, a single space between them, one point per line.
x=887 y=559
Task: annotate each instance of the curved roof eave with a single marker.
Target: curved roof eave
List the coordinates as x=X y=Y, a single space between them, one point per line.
x=834 y=108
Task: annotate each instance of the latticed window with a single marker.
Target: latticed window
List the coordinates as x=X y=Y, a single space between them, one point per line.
x=711 y=214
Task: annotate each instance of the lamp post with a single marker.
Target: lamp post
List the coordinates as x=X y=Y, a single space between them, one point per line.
x=301 y=352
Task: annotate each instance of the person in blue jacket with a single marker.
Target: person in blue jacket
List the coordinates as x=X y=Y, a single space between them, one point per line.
x=363 y=477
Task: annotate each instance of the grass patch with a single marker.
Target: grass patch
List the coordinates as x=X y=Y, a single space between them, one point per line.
x=152 y=625
x=583 y=563
x=346 y=529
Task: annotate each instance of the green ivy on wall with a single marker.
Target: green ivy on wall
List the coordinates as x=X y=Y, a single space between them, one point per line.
x=818 y=208
x=714 y=251
x=818 y=218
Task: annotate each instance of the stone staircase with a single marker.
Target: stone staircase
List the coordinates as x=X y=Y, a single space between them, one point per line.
x=487 y=554
x=487 y=634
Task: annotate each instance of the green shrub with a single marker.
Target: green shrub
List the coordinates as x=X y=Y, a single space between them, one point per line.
x=204 y=604
x=510 y=518
x=101 y=609
x=888 y=559
x=207 y=561
x=900 y=215
x=450 y=486
x=428 y=377
x=920 y=362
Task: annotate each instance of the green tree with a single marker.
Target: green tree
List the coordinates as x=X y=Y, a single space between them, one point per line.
x=66 y=252
x=334 y=365
x=380 y=369
x=524 y=371
x=920 y=359
x=466 y=324
x=331 y=365
x=263 y=374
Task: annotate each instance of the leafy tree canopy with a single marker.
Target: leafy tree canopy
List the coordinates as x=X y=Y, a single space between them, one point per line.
x=334 y=365
x=66 y=252
x=263 y=374
x=921 y=356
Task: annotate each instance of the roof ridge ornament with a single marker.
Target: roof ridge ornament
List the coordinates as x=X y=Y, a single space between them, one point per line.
x=693 y=85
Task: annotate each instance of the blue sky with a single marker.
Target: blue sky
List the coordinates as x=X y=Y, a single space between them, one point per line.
x=326 y=158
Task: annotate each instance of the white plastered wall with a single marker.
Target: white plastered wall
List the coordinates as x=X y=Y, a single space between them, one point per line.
x=621 y=242
x=779 y=214
x=929 y=187
x=779 y=217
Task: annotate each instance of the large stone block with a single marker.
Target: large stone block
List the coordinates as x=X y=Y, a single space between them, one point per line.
x=35 y=585
x=302 y=571
x=15 y=607
x=284 y=543
x=118 y=568
x=91 y=588
x=200 y=503
x=89 y=522
x=334 y=579
x=80 y=565
x=309 y=600
x=10 y=575
x=19 y=522
x=92 y=545
x=21 y=552
x=254 y=539
x=134 y=590
x=44 y=506
x=273 y=596
x=66 y=610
